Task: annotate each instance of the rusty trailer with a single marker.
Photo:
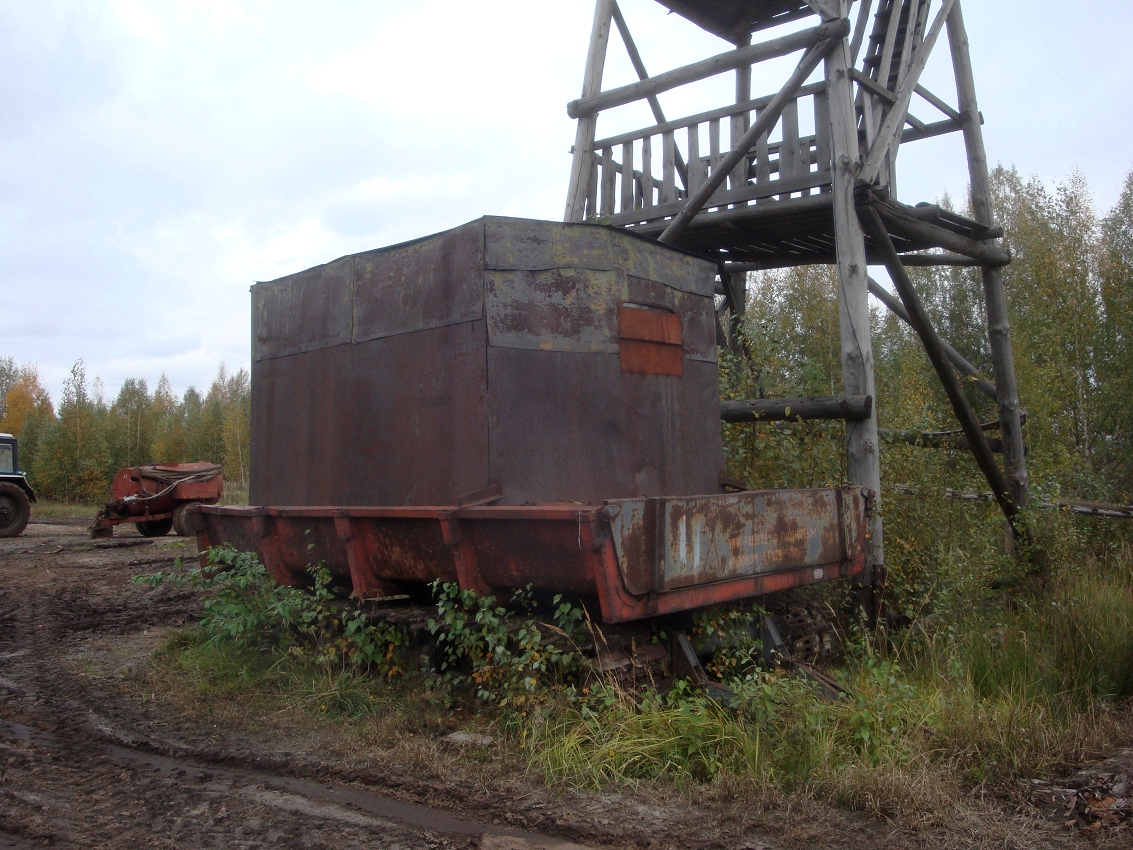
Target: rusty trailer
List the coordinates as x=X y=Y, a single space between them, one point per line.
x=514 y=403
x=155 y=497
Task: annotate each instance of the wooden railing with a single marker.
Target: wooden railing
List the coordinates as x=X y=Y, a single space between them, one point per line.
x=646 y=175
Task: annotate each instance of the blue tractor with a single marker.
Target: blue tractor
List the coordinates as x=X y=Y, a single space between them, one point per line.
x=16 y=495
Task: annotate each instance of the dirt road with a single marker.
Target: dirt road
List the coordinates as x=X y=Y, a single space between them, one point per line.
x=79 y=769
x=87 y=762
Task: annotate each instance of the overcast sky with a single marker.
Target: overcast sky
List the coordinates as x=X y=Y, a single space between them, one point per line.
x=160 y=156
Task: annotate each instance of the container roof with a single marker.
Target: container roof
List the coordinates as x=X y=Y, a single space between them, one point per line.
x=734 y=19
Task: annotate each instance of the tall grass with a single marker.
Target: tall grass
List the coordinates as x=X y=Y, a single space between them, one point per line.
x=1017 y=690
x=63 y=510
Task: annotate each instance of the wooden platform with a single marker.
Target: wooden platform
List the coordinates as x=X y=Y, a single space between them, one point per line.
x=734 y=19
x=800 y=231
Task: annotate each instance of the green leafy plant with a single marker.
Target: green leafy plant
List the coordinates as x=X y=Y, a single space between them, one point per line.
x=504 y=653
x=248 y=609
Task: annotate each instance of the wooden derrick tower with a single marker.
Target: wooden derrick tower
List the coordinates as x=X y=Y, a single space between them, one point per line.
x=806 y=175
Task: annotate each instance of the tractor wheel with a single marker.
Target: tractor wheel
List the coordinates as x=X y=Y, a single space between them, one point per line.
x=155 y=527
x=15 y=510
x=180 y=521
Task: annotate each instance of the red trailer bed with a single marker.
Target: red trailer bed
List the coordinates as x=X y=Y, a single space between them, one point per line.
x=638 y=557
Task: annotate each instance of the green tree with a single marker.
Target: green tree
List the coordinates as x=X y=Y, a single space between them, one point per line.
x=28 y=411
x=75 y=463
x=1054 y=298
x=237 y=434
x=1115 y=362
x=8 y=374
x=168 y=422
x=129 y=424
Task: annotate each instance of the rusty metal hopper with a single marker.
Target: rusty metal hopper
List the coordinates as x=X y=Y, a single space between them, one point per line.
x=514 y=402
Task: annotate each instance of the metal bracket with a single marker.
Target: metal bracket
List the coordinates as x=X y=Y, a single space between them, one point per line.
x=468 y=575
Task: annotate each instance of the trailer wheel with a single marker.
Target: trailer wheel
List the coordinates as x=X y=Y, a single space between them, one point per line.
x=180 y=521
x=15 y=510
x=155 y=527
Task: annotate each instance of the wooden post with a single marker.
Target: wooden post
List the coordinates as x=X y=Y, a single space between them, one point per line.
x=583 y=161
x=863 y=461
x=737 y=283
x=999 y=328
x=849 y=408
x=735 y=292
x=741 y=122
x=864 y=8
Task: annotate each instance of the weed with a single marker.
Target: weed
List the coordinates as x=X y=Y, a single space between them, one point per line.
x=508 y=660
x=247 y=609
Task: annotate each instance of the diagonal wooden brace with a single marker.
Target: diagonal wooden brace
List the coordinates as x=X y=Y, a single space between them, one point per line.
x=981 y=449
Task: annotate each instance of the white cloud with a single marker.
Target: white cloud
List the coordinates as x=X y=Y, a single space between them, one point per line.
x=162 y=156
x=140 y=21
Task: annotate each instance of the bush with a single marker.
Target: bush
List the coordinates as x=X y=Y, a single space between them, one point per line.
x=247 y=609
x=510 y=659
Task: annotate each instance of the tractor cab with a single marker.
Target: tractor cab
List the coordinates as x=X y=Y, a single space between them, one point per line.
x=16 y=495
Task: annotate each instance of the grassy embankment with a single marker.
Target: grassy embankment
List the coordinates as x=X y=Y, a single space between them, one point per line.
x=983 y=694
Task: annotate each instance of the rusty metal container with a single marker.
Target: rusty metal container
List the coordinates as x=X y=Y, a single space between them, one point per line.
x=514 y=403
x=538 y=361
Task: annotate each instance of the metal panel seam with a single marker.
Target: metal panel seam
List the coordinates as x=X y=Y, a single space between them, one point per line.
x=487 y=343
x=353 y=298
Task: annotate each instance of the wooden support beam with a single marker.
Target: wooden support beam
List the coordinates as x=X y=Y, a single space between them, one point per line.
x=767 y=119
x=890 y=133
x=957 y=359
x=931 y=260
x=583 y=162
x=872 y=86
x=937 y=102
x=904 y=224
x=934 y=212
x=930 y=131
x=1092 y=509
x=728 y=111
x=1081 y=508
x=850 y=408
x=863 y=452
x=742 y=120
x=735 y=294
x=981 y=450
x=642 y=74
x=999 y=328
x=592 y=103
x=864 y=8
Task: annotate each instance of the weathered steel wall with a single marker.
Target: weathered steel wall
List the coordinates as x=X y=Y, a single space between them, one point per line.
x=488 y=355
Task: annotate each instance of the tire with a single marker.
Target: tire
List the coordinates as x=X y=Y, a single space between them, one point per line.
x=15 y=510
x=181 y=522
x=155 y=527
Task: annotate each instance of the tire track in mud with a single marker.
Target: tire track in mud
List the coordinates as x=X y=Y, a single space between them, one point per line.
x=73 y=776
x=348 y=805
